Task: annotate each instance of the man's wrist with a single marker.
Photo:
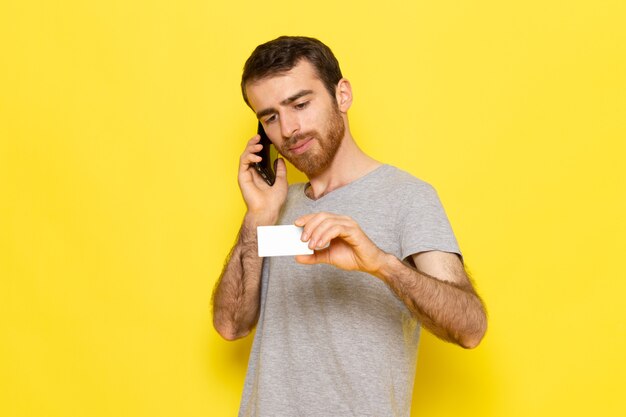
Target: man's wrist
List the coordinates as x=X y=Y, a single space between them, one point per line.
x=252 y=219
x=387 y=267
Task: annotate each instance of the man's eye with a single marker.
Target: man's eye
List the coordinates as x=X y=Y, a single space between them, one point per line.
x=302 y=105
x=270 y=119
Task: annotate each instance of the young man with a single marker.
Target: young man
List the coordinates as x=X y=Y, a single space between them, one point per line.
x=337 y=331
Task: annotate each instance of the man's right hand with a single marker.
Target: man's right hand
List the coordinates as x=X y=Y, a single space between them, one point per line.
x=263 y=201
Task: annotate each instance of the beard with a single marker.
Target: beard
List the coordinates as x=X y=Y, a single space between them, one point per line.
x=316 y=159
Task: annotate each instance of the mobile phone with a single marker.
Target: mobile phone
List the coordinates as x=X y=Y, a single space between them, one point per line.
x=269 y=155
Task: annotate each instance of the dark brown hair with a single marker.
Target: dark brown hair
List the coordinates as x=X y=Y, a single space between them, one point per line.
x=283 y=53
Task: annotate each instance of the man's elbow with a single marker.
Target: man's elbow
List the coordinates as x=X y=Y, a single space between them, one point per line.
x=231 y=336
x=473 y=339
x=470 y=342
x=230 y=333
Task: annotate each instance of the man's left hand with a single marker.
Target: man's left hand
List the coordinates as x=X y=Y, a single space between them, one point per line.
x=339 y=241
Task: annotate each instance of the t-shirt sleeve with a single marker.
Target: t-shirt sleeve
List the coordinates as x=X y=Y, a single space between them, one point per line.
x=424 y=225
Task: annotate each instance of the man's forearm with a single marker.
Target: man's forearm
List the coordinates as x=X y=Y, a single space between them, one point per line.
x=451 y=312
x=236 y=297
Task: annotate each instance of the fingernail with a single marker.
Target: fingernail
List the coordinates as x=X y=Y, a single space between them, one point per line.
x=312 y=244
x=305 y=237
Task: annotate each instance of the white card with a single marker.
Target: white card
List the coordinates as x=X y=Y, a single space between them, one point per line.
x=281 y=240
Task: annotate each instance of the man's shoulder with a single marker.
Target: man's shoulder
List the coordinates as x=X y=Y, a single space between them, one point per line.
x=403 y=181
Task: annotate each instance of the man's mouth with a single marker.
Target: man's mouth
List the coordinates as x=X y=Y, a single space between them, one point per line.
x=301 y=146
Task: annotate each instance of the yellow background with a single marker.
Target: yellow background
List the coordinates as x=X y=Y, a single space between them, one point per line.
x=121 y=123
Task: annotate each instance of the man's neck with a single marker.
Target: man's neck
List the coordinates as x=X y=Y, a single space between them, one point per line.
x=350 y=163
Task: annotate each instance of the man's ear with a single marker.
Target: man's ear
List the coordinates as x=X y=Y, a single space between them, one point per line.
x=343 y=95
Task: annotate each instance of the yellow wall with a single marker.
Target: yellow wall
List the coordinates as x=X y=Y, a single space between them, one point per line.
x=120 y=127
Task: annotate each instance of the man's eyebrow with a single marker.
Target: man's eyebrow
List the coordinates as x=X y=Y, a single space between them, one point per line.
x=265 y=112
x=296 y=96
x=285 y=102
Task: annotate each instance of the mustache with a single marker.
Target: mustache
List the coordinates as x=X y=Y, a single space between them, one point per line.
x=297 y=137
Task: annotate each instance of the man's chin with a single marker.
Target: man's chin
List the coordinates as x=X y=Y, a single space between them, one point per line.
x=307 y=167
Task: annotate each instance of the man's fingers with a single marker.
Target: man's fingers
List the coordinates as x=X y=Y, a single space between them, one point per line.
x=302 y=220
x=319 y=257
x=310 y=223
x=317 y=226
x=252 y=147
x=326 y=231
x=249 y=155
x=247 y=159
x=254 y=139
x=306 y=259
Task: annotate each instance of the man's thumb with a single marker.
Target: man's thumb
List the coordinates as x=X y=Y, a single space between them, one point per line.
x=280 y=168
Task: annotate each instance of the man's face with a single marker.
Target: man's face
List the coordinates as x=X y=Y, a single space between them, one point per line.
x=299 y=116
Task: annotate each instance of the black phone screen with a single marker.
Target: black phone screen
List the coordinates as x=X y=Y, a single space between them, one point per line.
x=269 y=155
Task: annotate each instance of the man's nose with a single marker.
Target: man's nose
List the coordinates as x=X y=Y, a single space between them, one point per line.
x=289 y=125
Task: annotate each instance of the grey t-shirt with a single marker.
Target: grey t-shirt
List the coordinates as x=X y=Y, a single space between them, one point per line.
x=339 y=343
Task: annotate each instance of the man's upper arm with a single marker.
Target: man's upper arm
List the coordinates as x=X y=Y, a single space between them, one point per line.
x=445 y=266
